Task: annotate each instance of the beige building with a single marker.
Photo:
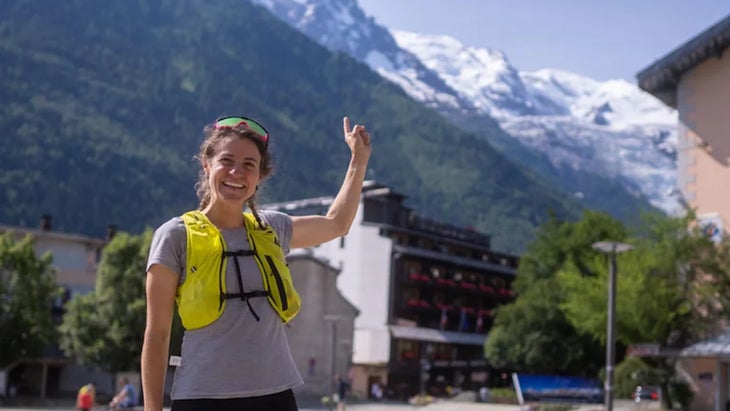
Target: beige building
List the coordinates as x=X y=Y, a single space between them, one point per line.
x=695 y=79
x=707 y=366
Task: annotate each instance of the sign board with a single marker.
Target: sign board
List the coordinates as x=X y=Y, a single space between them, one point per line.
x=711 y=226
x=643 y=350
x=553 y=388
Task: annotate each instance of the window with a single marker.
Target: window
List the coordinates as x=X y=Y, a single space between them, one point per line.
x=407 y=350
x=413 y=267
x=410 y=294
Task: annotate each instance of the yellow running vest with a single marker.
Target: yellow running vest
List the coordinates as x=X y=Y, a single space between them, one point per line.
x=200 y=298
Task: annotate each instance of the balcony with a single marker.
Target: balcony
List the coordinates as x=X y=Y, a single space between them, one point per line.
x=445 y=282
x=506 y=293
x=417 y=278
x=441 y=307
x=417 y=305
x=487 y=289
x=468 y=310
x=484 y=313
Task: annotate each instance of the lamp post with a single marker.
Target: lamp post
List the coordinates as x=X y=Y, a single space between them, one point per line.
x=332 y=319
x=611 y=248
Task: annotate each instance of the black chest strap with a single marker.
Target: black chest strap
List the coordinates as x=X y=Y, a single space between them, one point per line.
x=242 y=294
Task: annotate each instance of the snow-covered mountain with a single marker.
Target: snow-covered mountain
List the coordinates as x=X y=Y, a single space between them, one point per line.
x=591 y=138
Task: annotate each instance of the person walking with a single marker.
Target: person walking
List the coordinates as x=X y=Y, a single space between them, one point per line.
x=226 y=270
x=342 y=387
x=86 y=397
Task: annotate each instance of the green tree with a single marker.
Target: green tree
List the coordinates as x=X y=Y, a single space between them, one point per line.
x=670 y=287
x=533 y=334
x=670 y=290
x=105 y=328
x=27 y=290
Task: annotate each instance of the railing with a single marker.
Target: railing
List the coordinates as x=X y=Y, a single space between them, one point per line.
x=447 y=230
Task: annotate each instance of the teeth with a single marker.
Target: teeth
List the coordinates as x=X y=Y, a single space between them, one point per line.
x=232 y=184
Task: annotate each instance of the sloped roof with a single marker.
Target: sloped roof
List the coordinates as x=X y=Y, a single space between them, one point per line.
x=455 y=259
x=718 y=346
x=54 y=235
x=662 y=76
x=433 y=335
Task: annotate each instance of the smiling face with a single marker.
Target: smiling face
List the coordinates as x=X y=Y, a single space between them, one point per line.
x=234 y=171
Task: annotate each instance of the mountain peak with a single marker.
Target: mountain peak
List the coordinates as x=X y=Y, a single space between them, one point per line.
x=483 y=76
x=580 y=125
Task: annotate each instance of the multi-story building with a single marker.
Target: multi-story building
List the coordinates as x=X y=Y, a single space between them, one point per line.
x=426 y=291
x=695 y=80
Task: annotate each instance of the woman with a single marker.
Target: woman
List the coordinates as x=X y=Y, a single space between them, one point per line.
x=227 y=273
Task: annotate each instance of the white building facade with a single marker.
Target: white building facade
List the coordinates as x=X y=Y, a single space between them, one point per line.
x=425 y=292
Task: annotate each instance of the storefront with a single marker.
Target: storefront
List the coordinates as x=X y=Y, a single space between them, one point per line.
x=706 y=366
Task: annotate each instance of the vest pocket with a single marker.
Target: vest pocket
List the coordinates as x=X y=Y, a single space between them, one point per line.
x=279 y=283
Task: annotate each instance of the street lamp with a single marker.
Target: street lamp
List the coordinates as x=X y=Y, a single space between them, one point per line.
x=332 y=319
x=611 y=248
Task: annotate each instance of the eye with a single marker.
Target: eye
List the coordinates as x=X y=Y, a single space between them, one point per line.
x=226 y=161
x=250 y=164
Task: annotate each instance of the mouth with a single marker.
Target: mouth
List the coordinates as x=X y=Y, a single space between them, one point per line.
x=233 y=185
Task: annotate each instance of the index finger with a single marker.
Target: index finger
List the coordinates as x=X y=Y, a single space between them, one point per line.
x=346 y=124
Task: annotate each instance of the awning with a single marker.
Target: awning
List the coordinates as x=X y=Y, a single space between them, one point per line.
x=433 y=335
x=714 y=347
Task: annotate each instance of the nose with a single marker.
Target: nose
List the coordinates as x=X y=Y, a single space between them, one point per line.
x=237 y=170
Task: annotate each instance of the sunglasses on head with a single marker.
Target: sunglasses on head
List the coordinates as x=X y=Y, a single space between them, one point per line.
x=232 y=122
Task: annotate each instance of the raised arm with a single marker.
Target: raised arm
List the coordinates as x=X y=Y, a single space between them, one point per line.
x=308 y=231
x=160 y=289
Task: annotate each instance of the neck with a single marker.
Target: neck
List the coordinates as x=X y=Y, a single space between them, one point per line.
x=224 y=216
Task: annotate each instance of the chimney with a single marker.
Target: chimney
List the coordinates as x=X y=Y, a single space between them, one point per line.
x=46 y=222
x=111 y=231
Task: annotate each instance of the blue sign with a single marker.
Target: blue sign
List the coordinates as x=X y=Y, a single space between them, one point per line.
x=553 y=388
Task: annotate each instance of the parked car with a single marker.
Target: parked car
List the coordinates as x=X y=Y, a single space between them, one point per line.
x=646 y=393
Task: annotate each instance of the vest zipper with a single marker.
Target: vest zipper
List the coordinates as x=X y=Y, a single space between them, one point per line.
x=221 y=273
x=279 y=283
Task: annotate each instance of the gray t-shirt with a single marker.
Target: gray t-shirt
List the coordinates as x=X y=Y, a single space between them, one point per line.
x=235 y=356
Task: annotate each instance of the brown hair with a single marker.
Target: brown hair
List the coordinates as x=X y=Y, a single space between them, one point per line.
x=208 y=150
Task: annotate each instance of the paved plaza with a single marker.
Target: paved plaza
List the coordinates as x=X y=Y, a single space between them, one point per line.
x=441 y=405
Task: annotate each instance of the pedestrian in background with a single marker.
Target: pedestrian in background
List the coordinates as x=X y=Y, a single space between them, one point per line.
x=126 y=397
x=376 y=391
x=342 y=387
x=86 y=397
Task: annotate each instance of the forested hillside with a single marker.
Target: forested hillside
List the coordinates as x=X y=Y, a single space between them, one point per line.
x=103 y=107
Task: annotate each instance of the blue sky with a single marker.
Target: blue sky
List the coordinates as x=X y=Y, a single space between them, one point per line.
x=600 y=39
